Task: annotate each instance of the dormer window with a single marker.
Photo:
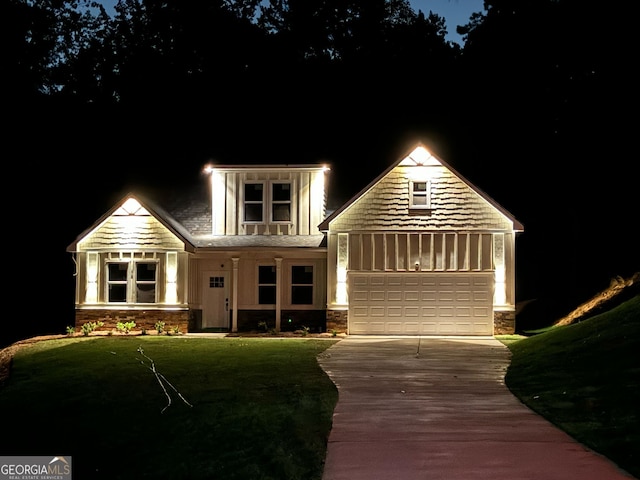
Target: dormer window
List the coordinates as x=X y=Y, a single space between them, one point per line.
x=281 y=202
x=420 y=194
x=253 y=202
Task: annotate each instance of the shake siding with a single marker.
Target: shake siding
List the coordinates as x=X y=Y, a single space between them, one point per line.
x=135 y=232
x=454 y=206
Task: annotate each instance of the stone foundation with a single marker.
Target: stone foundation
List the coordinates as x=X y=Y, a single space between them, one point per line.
x=144 y=319
x=504 y=323
x=337 y=320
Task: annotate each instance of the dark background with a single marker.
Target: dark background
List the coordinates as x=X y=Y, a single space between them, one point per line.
x=536 y=109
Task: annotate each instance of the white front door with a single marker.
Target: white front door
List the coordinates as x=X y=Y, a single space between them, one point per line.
x=215 y=300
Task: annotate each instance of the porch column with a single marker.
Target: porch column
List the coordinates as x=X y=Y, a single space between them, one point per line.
x=234 y=296
x=278 y=292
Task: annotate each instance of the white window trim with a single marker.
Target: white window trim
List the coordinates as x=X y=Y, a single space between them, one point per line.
x=131 y=281
x=312 y=284
x=253 y=202
x=271 y=202
x=274 y=285
x=426 y=195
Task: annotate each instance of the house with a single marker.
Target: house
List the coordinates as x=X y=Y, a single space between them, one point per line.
x=419 y=251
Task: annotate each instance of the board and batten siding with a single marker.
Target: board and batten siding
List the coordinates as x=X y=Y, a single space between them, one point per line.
x=307 y=201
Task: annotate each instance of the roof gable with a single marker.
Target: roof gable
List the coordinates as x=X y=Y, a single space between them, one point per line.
x=457 y=203
x=137 y=222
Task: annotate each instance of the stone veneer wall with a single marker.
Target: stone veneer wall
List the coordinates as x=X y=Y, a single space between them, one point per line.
x=144 y=319
x=504 y=323
x=337 y=320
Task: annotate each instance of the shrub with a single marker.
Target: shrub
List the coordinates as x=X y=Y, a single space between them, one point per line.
x=125 y=327
x=89 y=327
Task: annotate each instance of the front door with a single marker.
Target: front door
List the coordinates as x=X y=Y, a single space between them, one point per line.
x=215 y=300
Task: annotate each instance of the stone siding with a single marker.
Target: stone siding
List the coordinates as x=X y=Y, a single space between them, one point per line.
x=504 y=323
x=337 y=320
x=144 y=319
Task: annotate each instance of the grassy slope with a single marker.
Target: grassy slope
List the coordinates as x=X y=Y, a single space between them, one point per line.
x=261 y=408
x=585 y=378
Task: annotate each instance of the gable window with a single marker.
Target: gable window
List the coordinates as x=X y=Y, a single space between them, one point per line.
x=302 y=285
x=281 y=202
x=420 y=194
x=131 y=282
x=266 y=285
x=253 y=202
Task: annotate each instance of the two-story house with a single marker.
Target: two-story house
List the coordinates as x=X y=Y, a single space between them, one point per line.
x=419 y=251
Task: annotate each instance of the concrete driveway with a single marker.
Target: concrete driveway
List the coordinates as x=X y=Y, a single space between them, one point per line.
x=430 y=408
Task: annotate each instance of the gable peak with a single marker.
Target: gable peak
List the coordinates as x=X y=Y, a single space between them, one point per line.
x=419 y=156
x=129 y=207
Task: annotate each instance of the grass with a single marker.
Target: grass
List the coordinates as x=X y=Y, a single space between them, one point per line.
x=262 y=408
x=585 y=378
x=254 y=408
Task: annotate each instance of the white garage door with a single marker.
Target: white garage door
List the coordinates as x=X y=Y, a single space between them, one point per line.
x=420 y=303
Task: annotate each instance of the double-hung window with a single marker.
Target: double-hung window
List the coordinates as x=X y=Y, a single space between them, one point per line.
x=253 y=202
x=302 y=285
x=266 y=284
x=281 y=202
x=131 y=282
x=420 y=194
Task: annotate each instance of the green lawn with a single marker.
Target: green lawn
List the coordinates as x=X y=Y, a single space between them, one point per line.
x=585 y=378
x=261 y=408
x=241 y=409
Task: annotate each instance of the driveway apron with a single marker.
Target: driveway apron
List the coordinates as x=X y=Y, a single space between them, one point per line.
x=426 y=408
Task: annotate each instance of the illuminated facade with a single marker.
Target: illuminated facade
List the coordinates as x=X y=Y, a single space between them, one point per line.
x=418 y=251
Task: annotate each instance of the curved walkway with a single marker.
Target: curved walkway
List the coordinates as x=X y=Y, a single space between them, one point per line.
x=425 y=408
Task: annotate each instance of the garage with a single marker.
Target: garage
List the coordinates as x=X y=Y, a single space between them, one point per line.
x=408 y=303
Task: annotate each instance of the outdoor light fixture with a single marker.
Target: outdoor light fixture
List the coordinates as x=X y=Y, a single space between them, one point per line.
x=421 y=156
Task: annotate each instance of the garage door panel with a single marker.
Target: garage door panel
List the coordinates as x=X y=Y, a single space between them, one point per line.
x=464 y=296
x=394 y=296
x=411 y=296
x=428 y=296
x=377 y=295
x=429 y=311
x=359 y=312
x=445 y=304
x=446 y=311
x=428 y=328
x=482 y=297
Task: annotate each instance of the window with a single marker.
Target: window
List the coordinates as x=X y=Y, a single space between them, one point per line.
x=302 y=285
x=131 y=282
x=281 y=202
x=420 y=195
x=253 y=202
x=266 y=285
